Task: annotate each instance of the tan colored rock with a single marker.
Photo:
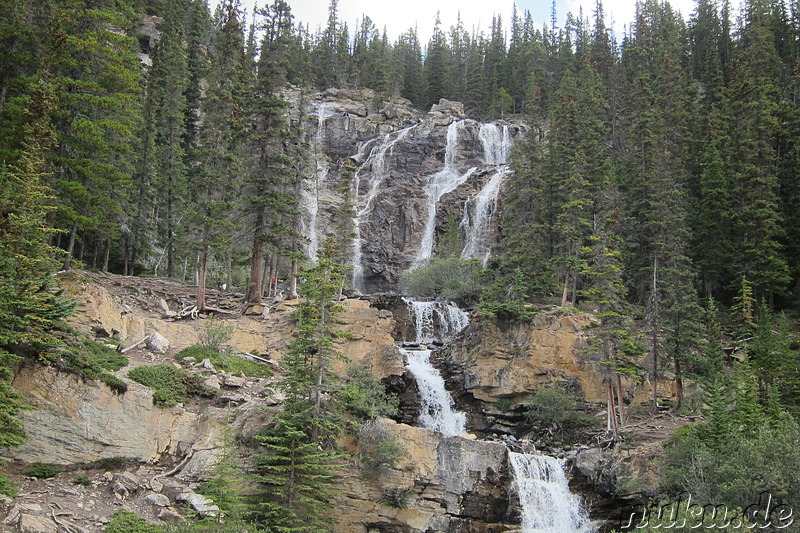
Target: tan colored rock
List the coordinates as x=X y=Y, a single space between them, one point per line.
x=513 y=360
x=451 y=476
x=36 y=524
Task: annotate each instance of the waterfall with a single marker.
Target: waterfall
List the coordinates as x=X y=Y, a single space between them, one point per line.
x=439 y=184
x=436 y=321
x=547 y=504
x=496 y=144
x=309 y=196
x=476 y=222
x=438 y=410
x=376 y=163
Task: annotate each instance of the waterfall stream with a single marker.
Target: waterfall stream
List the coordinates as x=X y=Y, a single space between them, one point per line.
x=476 y=222
x=547 y=504
x=309 y=196
x=376 y=163
x=437 y=409
x=439 y=184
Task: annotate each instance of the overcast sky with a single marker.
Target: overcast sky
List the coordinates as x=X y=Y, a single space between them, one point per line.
x=399 y=15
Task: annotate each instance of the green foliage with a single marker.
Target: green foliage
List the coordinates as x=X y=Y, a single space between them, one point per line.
x=129 y=522
x=228 y=362
x=555 y=408
x=82 y=480
x=364 y=396
x=7 y=488
x=214 y=334
x=451 y=278
x=397 y=497
x=513 y=310
x=171 y=385
x=378 y=449
x=43 y=471
x=114 y=383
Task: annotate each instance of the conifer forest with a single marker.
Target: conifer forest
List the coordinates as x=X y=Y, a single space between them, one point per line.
x=656 y=189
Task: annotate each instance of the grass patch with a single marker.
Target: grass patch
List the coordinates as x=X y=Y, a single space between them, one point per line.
x=128 y=522
x=82 y=480
x=225 y=361
x=7 y=487
x=171 y=385
x=42 y=471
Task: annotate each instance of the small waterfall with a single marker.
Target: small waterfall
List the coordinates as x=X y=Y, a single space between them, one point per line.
x=438 y=410
x=436 y=321
x=547 y=504
x=496 y=144
x=439 y=184
x=309 y=196
x=476 y=223
x=375 y=164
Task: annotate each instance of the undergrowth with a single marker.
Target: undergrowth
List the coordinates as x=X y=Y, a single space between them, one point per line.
x=226 y=361
x=171 y=385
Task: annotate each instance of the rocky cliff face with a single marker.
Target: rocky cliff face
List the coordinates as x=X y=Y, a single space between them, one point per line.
x=414 y=173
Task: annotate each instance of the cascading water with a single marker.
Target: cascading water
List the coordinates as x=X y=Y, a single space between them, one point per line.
x=436 y=321
x=439 y=184
x=376 y=165
x=438 y=411
x=309 y=197
x=476 y=222
x=547 y=504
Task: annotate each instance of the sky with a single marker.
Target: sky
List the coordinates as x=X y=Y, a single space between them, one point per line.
x=399 y=15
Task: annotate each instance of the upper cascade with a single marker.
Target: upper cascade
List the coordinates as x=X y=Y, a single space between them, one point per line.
x=414 y=176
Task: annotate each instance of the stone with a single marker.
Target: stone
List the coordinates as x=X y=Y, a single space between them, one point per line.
x=235 y=382
x=156 y=485
x=448 y=107
x=170 y=515
x=157 y=343
x=36 y=524
x=206 y=363
x=189 y=360
x=254 y=310
x=212 y=382
x=200 y=504
x=172 y=489
x=158 y=500
x=128 y=481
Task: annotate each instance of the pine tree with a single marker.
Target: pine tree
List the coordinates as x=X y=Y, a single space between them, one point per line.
x=30 y=310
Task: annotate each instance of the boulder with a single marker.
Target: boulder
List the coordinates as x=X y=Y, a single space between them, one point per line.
x=157 y=343
x=36 y=524
x=158 y=500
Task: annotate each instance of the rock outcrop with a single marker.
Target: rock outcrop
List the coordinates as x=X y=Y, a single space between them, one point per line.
x=455 y=485
x=393 y=153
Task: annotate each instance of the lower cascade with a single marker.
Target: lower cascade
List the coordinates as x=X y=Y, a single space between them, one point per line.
x=438 y=410
x=547 y=504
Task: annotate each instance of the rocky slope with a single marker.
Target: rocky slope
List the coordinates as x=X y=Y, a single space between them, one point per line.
x=413 y=173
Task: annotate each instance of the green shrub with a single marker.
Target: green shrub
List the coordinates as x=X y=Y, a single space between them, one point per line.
x=117 y=385
x=171 y=385
x=365 y=397
x=396 y=497
x=554 y=407
x=225 y=361
x=82 y=480
x=43 y=471
x=113 y=464
x=128 y=522
x=214 y=334
x=445 y=277
x=7 y=487
x=514 y=311
x=378 y=449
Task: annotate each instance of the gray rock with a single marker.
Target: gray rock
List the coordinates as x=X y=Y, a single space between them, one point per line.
x=206 y=363
x=200 y=504
x=129 y=481
x=157 y=343
x=170 y=515
x=158 y=500
x=235 y=382
x=172 y=489
x=212 y=383
x=36 y=524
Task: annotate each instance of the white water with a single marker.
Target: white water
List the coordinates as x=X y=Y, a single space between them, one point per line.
x=439 y=184
x=309 y=197
x=375 y=164
x=438 y=411
x=436 y=320
x=547 y=504
x=496 y=144
x=476 y=222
